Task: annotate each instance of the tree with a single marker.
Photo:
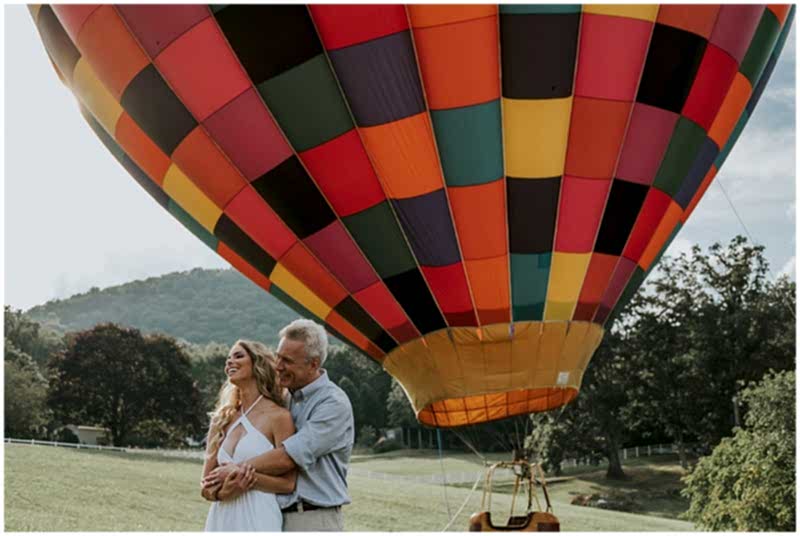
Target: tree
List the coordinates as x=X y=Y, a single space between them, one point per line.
x=748 y=482
x=706 y=323
x=26 y=413
x=398 y=408
x=30 y=337
x=113 y=376
x=208 y=371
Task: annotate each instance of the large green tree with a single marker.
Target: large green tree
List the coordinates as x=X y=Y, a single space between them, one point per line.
x=114 y=377
x=706 y=323
x=29 y=337
x=26 y=347
x=748 y=482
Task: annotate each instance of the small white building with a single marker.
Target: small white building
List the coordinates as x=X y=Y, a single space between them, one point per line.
x=90 y=435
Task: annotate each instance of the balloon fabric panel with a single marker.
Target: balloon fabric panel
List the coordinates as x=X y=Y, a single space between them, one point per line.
x=248 y=135
x=691 y=182
x=714 y=77
x=97 y=99
x=597 y=129
x=60 y=47
x=611 y=45
x=157 y=26
x=735 y=27
x=237 y=240
x=358 y=132
x=156 y=109
x=624 y=201
x=672 y=62
x=598 y=275
x=532 y=206
x=646 y=141
x=698 y=19
x=581 y=206
x=200 y=158
x=141 y=149
x=653 y=209
x=333 y=246
x=201 y=69
x=111 y=50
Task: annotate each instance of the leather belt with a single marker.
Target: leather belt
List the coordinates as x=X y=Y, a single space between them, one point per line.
x=302 y=506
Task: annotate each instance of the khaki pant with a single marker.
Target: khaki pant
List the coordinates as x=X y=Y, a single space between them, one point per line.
x=327 y=520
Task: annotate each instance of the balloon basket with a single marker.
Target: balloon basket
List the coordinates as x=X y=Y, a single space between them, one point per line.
x=527 y=476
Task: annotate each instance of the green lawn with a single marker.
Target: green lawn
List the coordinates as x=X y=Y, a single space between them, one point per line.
x=56 y=489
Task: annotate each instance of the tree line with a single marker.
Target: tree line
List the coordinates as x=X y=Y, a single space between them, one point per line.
x=691 y=360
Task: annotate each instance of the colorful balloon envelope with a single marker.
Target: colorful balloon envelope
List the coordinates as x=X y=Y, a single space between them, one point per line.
x=467 y=194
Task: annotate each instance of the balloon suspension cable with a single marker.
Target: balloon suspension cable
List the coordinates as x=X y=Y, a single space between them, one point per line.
x=444 y=475
x=753 y=240
x=469 y=496
x=468 y=442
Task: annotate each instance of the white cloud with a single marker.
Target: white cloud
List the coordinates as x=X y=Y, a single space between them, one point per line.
x=789 y=268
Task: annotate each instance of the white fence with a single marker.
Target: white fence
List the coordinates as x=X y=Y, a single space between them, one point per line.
x=62 y=444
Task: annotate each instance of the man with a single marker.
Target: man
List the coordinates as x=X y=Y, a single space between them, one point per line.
x=321 y=447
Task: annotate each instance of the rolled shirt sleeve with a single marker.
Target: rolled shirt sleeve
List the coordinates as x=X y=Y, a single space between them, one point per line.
x=322 y=445
x=323 y=433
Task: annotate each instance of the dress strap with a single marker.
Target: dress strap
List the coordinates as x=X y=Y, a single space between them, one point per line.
x=253 y=405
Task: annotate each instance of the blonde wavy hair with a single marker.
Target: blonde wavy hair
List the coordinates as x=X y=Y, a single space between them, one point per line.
x=229 y=401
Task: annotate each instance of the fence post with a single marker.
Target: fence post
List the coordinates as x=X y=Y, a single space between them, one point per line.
x=624 y=454
x=637 y=452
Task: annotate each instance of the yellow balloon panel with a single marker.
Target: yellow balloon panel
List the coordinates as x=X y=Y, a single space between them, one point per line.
x=190 y=198
x=647 y=12
x=95 y=96
x=535 y=136
x=530 y=367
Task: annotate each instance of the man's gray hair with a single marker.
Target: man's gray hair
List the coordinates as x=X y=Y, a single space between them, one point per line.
x=311 y=334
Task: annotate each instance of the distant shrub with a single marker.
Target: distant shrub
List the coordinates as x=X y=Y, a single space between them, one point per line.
x=367 y=436
x=65 y=435
x=386 y=445
x=155 y=433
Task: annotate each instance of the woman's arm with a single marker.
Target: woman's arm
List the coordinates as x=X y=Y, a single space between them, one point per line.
x=282 y=427
x=208 y=492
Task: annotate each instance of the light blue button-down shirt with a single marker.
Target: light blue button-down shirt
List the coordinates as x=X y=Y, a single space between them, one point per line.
x=322 y=445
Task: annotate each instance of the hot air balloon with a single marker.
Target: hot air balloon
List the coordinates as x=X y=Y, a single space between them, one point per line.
x=467 y=194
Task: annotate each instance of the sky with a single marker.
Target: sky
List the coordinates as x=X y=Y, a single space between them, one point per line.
x=75 y=219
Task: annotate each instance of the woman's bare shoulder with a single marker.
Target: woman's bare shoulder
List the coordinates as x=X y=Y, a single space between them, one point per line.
x=271 y=415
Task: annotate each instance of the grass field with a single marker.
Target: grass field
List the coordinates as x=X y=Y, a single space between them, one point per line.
x=56 y=489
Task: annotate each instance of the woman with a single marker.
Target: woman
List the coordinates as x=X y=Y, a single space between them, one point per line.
x=248 y=420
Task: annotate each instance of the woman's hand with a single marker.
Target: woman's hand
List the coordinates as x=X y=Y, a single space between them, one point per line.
x=238 y=481
x=209 y=493
x=219 y=474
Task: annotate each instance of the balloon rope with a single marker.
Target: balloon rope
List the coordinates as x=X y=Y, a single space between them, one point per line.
x=444 y=476
x=747 y=232
x=469 y=495
x=468 y=443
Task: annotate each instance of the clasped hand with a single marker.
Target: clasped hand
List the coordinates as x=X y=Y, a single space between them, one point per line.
x=230 y=479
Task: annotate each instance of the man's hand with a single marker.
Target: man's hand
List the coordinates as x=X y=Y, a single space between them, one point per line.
x=237 y=482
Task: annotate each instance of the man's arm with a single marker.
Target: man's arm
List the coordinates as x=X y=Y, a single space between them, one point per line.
x=282 y=428
x=325 y=431
x=275 y=462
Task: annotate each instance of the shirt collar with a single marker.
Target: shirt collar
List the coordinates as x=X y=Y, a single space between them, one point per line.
x=311 y=388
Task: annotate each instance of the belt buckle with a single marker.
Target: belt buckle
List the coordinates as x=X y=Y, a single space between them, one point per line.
x=300 y=506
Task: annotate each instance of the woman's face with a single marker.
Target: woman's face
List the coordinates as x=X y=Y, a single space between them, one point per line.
x=239 y=365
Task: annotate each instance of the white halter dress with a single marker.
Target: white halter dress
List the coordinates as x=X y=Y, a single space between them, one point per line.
x=253 y=510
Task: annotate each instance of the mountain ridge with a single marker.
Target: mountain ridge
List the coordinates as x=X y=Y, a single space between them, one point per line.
x=199 y=305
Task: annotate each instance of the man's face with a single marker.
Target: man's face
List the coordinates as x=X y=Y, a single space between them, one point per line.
x=293 y=370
